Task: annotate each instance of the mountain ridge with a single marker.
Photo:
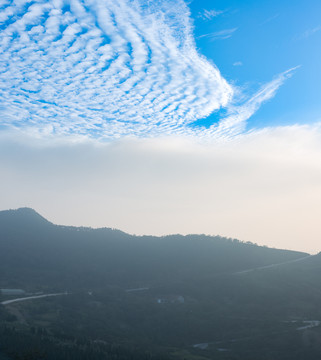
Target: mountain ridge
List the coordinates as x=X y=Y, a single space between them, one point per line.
x=33 y=248
x=28 y=213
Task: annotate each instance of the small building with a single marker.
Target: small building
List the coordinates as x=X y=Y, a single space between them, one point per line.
x=171 y=299
x=12 y=292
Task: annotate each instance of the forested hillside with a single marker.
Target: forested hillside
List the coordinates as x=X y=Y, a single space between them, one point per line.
x=36 y=253
x=174 y=297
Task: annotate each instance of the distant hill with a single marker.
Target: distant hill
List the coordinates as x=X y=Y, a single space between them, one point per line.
x=23 y=216
x=37 y=253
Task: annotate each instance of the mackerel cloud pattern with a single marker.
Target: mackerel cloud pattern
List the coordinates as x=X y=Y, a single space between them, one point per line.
x=103 y=68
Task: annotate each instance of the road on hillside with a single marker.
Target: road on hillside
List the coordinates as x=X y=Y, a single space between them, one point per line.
x=273 y=265
x=7 y=302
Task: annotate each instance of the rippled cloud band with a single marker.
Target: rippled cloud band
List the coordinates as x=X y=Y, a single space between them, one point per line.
x=104 y=69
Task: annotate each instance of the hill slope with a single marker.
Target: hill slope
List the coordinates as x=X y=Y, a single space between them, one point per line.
x=173 y=297
x=35 y=252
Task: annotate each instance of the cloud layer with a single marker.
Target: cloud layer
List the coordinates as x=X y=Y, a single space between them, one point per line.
x=103 y=68
x=264 y=187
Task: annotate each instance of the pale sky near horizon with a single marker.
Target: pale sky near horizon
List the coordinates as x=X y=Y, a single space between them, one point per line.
x=159 y=117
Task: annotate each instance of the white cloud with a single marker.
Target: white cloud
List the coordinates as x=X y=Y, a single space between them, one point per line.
x=263 y=187
x=238 y=63
x=209 y=14
x=103 y=68
x=107 y=70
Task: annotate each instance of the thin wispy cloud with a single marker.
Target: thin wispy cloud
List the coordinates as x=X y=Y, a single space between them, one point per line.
x=238 y=63
x=219 y=35
x=234 y=123
x=271 y=18
x=209 y=14
x=306 y=34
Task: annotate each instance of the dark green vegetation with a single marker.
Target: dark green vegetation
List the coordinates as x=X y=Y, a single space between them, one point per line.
x=153 y=298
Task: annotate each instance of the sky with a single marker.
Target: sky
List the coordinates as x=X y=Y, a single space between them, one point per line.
x=161 y=117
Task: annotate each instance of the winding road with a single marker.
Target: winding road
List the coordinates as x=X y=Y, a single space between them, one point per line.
x=8 y=302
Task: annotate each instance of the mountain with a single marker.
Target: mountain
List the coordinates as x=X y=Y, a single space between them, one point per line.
x=193 y=297
x=36 y=253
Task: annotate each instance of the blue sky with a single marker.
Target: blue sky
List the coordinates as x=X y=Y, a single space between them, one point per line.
x=269 y=37
x=165 y=116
